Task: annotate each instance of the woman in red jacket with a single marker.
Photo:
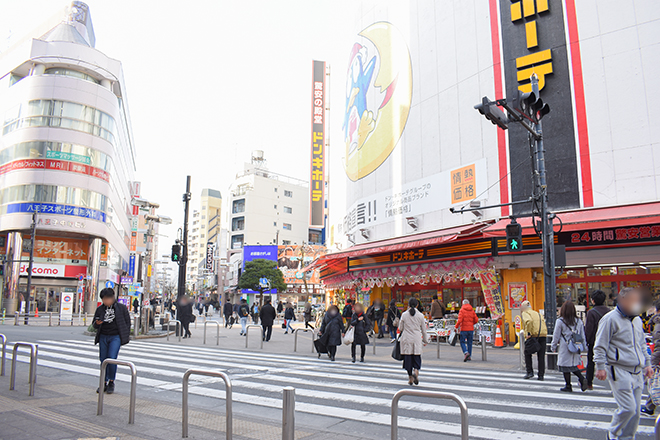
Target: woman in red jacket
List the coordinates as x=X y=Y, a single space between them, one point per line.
x=465 y=324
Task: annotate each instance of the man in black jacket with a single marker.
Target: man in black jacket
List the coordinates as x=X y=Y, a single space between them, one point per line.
x=113 y=329
x=267 y=315
x=593 y=318
x=347 y=313
x=227 y=310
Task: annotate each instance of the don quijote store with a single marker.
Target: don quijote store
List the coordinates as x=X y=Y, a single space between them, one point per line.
x=409 y=146
x=59 y=268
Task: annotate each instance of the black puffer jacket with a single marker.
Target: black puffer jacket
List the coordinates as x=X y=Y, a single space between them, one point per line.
x=361 y=328
x=122 y=317
x=331 y=329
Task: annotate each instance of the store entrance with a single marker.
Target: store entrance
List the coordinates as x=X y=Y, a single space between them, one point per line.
x=47 y=293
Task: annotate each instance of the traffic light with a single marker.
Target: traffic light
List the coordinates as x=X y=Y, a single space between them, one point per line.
x=531 y=105
x=176 y=252
x=493 y=113
x=514 y=237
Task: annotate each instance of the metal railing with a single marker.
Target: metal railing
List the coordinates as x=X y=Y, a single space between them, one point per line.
x=4 y=354
x=465 y=427
x=178 y=328
x=288 y=413
x=437 y=342
x=261 y=334
x=46 y=319
x=228 y=400
x=136 y=326
x=295 y=337
x=32 y=378
x=217 y=336
x=131 y=405
x=657 y=425
x=484 y=344
x=521 y=344
x=197 y=319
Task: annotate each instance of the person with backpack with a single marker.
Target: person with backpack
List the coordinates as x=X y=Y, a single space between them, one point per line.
x=289 y=317
x=255 y=313
x=347 y=313
x=243 y=314
x=438 y=309
x=568 y=340
x=536 y=334
x=267 y=315
x=227 y=311
x=112 y=322
x=593 y=318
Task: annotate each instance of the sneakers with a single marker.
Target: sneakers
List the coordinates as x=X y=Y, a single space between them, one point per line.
x=466 y=357
x=110 y=387
x=646 y=411
x=105 y=388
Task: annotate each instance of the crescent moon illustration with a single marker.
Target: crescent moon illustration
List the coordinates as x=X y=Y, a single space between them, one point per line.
x=379 y=130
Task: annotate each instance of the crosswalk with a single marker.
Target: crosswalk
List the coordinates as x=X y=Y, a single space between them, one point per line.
x=501 y=405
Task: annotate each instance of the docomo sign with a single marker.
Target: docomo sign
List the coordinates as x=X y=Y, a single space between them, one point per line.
x=44 y=270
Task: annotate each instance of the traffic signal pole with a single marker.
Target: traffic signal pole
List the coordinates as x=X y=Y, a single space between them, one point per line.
x=181 y=290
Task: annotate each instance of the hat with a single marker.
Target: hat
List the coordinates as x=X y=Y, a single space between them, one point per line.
x=525 y=304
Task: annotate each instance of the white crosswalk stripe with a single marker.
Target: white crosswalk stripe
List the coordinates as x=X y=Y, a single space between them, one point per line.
x=501 y=405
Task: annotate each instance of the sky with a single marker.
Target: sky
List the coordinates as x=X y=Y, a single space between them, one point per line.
x=211 y=80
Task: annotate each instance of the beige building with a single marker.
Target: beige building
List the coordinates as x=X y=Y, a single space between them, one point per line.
x=204 y=229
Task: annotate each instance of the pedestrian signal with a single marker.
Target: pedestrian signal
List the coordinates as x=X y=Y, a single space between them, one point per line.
x=176 y=252
x=513 y=237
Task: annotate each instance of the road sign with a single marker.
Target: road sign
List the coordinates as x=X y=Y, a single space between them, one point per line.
x=109 y=284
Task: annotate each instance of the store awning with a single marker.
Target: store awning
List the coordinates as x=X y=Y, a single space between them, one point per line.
x=410 y=241
x=598 y=218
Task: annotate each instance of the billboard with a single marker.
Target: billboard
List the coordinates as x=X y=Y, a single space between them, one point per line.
x=293 y=260
x=210 y=253
x=318 y=156
x=266 y=252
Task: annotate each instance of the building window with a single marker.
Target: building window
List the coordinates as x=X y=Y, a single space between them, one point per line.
x=238 y=206
x=314 y=237
x=72 y=73
x=275 y=189
x=238 y=224
x=202 y=236
x=275 y=206
x=237 y=241
x=286 y=242
x=288 y=193
x=286 y=226
x=274 y=223
x=288 y=210
x=203 y=217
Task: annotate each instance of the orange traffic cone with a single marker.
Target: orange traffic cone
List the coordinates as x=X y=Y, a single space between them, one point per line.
x=36 y=313
x=499 y=343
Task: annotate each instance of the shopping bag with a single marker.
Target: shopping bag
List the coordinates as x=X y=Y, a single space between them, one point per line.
x=654 y=387
x=348 y=337
x=396 y=351
x=452 y=338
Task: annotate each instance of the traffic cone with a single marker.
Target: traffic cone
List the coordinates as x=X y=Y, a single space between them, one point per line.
x=36 y=313
x=499 y=343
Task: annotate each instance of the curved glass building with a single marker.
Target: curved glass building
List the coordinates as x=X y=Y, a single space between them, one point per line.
x=67 y=162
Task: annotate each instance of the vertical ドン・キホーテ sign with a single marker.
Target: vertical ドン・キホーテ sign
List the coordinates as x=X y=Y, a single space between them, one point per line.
x=317 y=177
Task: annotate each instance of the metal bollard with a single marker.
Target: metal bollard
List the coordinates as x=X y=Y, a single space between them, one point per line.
x=261 y=334
x=465 y=427
x=437 y=340
x=85 y=320
x=4 y=311
x=521 y=344
x=17 y=315
x=50 y=319
x=217 y=337
x=374 y=336
x=483 y=347
x=34 y=351
x=228 y=400
x=288 y=413
x=136 y=325
x=4 y=354
x=131 y=405
x=176 y=328
x=295 y=337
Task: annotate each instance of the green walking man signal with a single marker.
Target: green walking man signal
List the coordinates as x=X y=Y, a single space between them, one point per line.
x=514 y=236
x=176 y=252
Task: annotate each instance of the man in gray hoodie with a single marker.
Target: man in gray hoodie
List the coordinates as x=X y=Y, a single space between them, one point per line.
x=621 y=357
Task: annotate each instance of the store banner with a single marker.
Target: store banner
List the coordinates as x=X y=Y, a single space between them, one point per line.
x=44 y=270
x=492 y=293
x=517 y=294
x=318 y=156
x=210 y=254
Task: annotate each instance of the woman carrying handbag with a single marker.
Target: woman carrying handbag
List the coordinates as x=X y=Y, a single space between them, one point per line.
x=412 y=340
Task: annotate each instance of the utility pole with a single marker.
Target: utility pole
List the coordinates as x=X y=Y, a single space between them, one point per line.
x=29 y=277
x=184 y=251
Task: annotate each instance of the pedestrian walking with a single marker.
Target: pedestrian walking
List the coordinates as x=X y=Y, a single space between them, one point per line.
x=654 y=320
x=227 y=311
x=113 y=328
x=289 y=317
x=185 y=309
x=255 y=312
x=393 y=319
x=622 y=358
x=536 y=334
x=207 y=304
x=412 y=340
x=377 y=316
x=331 y=331
x=267 y=315
x=362 y=326
x=594 y=316
x=136 y=304
x=308 y=315
x=438 y=309
x=280 y=307
x=243 y=314
x=568 y=340
x=347 y=313
x=465 y=325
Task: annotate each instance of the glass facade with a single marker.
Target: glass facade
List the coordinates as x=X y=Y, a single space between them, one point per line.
x=54 y=194
x=56 y=150
x=72 y=73
x=63 y=114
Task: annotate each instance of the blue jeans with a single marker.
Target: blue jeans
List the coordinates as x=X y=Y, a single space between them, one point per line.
x=466 y=342
x=109 y=349
x=244 y=325
x=288 y=325
x=392 y=332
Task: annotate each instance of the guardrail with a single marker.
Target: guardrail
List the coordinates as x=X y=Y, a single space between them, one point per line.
x=261 y=334
x=177 y=326
x=295 y=337
x=465 y=427
x=46 y=319
x=483 y=347
x=288 y=413
x=4 y=354
x=131 y=405
x=32 y=378
x=217 y=336
x=521 y=344
x=197 y=319
x=228 y=400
